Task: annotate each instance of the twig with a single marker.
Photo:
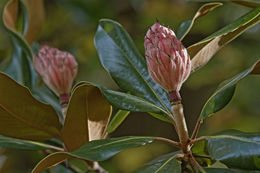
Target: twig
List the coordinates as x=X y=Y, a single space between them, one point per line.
x=173 y=122
x=174 y=143
x=198 y=139
x=196 y=129
x=196 y=164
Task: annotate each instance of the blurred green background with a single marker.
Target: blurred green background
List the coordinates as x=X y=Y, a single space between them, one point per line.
x=71 y=24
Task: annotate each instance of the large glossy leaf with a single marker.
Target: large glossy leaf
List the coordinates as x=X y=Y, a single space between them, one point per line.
x=20 y=67
x=204 y=50
x=87 y=117
x=126 y=65
x=248 y=3
x=186 y=26
x=236 y=149
x=98 y=150
x=22 y=116
x=168 y=166
x=222 y=96
x=6 y=142
x=118 y=118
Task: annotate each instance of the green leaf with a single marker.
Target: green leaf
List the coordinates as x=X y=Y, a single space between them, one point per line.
x=98 y=150
x=129 y=102
x=236 y=149
x=170 y=165
x=248 y=3
x=186 y=26
x=204 y=50
x=222 y=96
x=20 y=67
x=6 y=142
x=126 y=65
x=24 y=117
x=87 y=116
x=226 y=170
x=118 y=118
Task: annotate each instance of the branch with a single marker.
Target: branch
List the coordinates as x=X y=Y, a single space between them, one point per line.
x=171 y=142
x=196 y=129
x=198 y=139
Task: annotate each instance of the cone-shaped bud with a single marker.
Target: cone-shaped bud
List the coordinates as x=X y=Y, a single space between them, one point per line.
x=167 y=59
x=57 y=69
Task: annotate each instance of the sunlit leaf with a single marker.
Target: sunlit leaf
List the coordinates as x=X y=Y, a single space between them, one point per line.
x=222 y=96
x=186 y=26
x=24 y=117
x=204 y=50
x=87 y=116
x=126 y=65
x=98 y=150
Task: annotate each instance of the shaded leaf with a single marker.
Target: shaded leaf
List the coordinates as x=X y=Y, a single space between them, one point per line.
x=36 y=17
x=236 y=149
x=226 y=170
x=204 y=50
x=97 y=150
x=87 y=116
x=20 y=67
x=248 y=3
x=22 y=116
x=168 y=166
x=6 y=142
x=122 y=60
x=186 y=26
x=222 y=96
x=118 y=118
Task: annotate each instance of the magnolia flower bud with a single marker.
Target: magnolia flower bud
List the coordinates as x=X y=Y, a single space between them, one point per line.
x=167 y=59
x=57 y=69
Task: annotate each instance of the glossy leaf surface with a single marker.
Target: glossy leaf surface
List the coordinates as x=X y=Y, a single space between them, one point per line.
x=98 y=150
x=236 y=149
x=127 y=66
x=22 y=116
x=225 y=91
x=204 y=50
x=186 y=26
x=87 y=116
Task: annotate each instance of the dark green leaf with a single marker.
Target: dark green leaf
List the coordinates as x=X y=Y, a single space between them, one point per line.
x=225 y=91
x=204 y=50
x=126 y=65
x=170 y=165
x=236 y=149
x=226 y=170
x=186 y=26
x=118 y=118
x=98 y=150
x=6 y=142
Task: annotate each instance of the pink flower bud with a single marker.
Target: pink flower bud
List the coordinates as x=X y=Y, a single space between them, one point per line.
x=167 y=59
x=57 y=69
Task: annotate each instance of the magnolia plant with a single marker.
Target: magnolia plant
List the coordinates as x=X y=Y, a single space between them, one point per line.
x=41 y=110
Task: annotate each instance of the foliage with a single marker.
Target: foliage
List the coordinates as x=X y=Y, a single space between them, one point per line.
x=31 y=117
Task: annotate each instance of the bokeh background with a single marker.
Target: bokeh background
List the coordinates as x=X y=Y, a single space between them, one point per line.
x=71 y=24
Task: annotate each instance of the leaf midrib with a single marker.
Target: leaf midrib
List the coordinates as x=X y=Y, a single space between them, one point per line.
x=26 y=122
x=165 y=163
x=166 y=109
